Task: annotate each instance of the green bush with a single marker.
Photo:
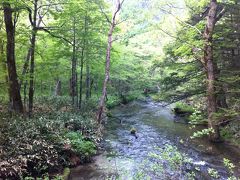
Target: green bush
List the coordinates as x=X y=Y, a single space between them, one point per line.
x=125 y=98
x=113 y=101
x=157 y=97
x=54 y=102
x=197 y=117
x=80 y=146
x=231 y=132
x=26 y=149
x=184 y=107
x=32 y=147
x=135 y=95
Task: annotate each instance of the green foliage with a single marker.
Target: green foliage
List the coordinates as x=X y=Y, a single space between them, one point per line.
x=157 y=97
x=213 y=173
x=38 y=145
x=82 y=147
x=113 y=101
x=27 y=149
x=183 y=107
x=231 y=132
x=202 y=133
x=138 y=62
x=197 y=117
x=53 y=102
x=229 y=165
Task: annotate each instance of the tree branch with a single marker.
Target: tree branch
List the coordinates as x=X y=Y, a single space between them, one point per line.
x=56 y=36
x=108 y=20
x=221 y=14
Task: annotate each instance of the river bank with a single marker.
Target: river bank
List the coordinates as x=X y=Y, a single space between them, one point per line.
x=156 y=132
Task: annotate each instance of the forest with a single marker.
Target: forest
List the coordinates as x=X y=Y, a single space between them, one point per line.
x=120 y=89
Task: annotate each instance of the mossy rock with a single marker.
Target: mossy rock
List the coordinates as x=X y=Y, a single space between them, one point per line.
x=66 y=173
x=182 y=109
x=133 y=131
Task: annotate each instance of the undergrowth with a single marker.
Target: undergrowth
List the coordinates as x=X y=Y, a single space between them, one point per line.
x=48 y=142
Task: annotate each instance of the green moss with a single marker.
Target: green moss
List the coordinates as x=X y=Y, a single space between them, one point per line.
x=66 y=173
x=156 y=97
x=183 y=107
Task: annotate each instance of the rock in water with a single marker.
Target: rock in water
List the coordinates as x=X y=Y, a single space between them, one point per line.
x=133 y=131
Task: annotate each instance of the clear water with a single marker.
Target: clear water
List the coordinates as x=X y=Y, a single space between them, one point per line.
x=126 y=154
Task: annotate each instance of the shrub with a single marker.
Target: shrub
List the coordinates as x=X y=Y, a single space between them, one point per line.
x=80 y=146
x=183 y=107
x=26 y=149
x=32 y=147
x=113 y=101
x=197 y=117
x=53 y=102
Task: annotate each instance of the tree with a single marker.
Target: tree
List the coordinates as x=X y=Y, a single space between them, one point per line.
x=211 y=68
x=14 y=88
x=113 y=24
x=35 y=26
x=36 y=17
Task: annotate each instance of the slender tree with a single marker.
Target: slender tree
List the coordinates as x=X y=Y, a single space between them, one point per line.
x=35 y=26
x=74 y=64
x=113 y=24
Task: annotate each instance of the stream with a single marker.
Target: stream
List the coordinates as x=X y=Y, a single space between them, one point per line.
x=125 y=156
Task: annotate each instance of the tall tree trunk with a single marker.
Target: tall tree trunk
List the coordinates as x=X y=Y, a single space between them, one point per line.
x=58 y=88
x=74 y=64
x=31 y=71
x=82 y=62
x=32 y=59
x=81 y=80
x=208 y=59
x=14 y=88
x=108 y=58
x=25 y=66
x=88 y=80
x=91 y=86
x=24 y=73
x=25 y=93
x=77 y=96
x=107 y=74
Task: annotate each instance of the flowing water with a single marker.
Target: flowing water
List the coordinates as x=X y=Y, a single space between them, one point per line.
x=125 y=155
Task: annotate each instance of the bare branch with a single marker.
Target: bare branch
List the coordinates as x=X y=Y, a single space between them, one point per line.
x=108 y=20
x=221 y=14
x=119 y=5
x=121 y=21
